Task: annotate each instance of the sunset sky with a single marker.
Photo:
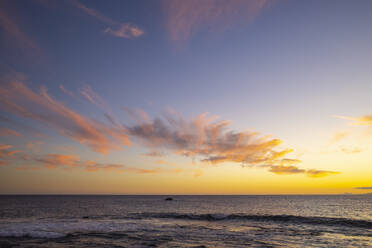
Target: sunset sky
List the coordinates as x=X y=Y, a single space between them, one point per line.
x=186 y=97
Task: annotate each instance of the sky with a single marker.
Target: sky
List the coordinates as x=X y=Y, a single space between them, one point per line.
x=185 y=97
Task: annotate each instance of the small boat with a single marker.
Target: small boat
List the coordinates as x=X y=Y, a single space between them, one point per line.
x=168 y=199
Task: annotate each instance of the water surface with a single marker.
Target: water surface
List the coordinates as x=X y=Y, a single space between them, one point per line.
x=187 y=221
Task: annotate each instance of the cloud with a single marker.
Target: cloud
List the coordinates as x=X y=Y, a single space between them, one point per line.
x=363 y=188
x=291 y=169
x=212 y=141
x=4 y=151
x=320 y=173
x=339 y=136
x=186 y=18
x=70 y=93
x=71 y=161
x=9 y=132
x=351 y=150
x=25 y=128
x=92 y=12
x=33 y=145
x=17 y=98
x=64 y=161
x=364 y=120
x=9 y=25
x=208 y=139
x=198 y=173
x=285 y=170
x=3 y=163
x=125 y=31
x=59 y=160
x=118 y=29
x=93 y=97
x=153 y=154
x=6 y=154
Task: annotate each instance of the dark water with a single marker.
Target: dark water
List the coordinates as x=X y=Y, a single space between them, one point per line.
x=187 y=221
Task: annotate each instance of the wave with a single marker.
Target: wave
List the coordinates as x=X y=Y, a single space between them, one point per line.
x=59 y=229
x=329 y=221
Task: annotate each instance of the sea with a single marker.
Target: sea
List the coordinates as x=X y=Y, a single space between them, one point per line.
x=186 y=221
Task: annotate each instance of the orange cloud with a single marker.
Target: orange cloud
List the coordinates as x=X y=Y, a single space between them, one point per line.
x=122 y=30
x=290 y=170
x=92 y=166
x=286 y=170
x=9 y=132
x=6 y=154
x=70 y=161
x=211 y=140
x=364 y=120
x=186 y=18
x=208 y=139
x=320 y=173
x=59 y=160
x=17 y=98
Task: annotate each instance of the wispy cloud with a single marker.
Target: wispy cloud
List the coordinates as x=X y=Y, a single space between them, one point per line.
x=59 y=160
x=93 y=97
x=9 y=132
x=320 y=173
x=5 y=151
x=337 y=137
x=25 y=128
x=351 y=150
x=286 y=170
x=6 y=154
x=186 y=18
x=125 y=31
x=71 y=161
x=118 y=29
x=363 y=120
x=34 y=145
x=66 y=91
x=291 y=169
x=17 y=98
x=14 y=30
x=363 y=188
x=153 y=154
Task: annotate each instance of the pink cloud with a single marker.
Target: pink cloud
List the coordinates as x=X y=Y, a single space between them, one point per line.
x=118 y=29
x=186 y=18
x=17 y=98
x=66 y=91
x=10 y=26
x=9 y=132
x=125 y=31
x=6 y=154
x=93 y=97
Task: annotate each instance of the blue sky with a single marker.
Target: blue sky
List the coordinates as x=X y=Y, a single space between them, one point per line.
x=282 y=68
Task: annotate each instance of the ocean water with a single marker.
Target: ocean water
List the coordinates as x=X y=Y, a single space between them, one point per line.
x=187 y=221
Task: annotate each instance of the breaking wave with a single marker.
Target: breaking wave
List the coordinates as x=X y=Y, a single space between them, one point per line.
x=329 y=221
